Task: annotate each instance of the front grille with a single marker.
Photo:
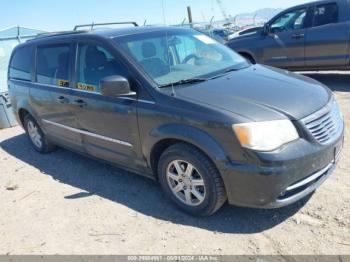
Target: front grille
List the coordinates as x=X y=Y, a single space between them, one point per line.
x=327 y=124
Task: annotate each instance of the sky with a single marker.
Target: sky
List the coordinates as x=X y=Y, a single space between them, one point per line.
x=53 y=15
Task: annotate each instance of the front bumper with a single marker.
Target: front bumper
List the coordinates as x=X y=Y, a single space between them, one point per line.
x=302 y=188
x=281 y=178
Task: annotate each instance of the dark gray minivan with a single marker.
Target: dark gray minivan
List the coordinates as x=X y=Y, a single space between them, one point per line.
x=176 y=106
x=312 y=36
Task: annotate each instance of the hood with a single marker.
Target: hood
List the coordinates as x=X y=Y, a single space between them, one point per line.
x=237 y=36
x=260 y=93
x=247 y=37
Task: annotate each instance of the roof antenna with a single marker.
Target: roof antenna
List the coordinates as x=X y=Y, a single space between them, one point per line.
x=173 y=94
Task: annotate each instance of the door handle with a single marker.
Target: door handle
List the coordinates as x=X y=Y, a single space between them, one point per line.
x=80 y=103
x=63 y=100
x=298 y=36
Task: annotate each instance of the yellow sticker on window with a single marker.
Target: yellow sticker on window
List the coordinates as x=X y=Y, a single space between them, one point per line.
x=63 y=83
x=86 y=87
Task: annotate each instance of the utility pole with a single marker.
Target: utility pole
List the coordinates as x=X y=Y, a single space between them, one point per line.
x=189 y=12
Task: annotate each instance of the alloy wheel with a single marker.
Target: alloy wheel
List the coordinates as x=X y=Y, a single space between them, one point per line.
x=186 y=183
x=34 y=134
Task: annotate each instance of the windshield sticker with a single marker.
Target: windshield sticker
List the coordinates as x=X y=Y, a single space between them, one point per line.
x=63 y=83
x=86 y=87
x=205 y=39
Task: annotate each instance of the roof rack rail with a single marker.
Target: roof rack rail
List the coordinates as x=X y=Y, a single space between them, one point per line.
x=99 y=24
x=48 y=34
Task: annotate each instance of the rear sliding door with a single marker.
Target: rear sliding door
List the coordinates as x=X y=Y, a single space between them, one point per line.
x=51 y=94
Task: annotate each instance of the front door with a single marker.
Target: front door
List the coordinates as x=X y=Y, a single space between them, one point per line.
x=108 y=125
x=284 y=44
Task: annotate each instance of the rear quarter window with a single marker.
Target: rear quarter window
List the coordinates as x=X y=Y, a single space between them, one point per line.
x=21 y=64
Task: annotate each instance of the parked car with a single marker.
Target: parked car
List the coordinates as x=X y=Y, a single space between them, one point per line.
x=313 y=36
x=246 y=31
x=176 y=106
x=219 y=34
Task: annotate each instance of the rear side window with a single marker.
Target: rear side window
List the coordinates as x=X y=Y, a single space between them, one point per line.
x=53 y=65
x=21 y=63
x=325 y=14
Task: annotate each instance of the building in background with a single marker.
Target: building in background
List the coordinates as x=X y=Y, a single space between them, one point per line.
x=9 y=38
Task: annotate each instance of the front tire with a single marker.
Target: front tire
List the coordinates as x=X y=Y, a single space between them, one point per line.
x=36 y=136
x=191 y=180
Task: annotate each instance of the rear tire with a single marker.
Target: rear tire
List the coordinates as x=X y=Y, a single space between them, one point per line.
x=191 y=180
x=36 y=136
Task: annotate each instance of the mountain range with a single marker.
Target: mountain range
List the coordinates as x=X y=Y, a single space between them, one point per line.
x=265 y=13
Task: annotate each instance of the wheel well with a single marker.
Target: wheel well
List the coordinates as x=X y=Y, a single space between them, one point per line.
x=161 y=146
x=22 y=113
x=248 y=56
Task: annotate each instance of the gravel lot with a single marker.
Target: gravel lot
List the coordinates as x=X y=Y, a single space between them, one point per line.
x=63 y=203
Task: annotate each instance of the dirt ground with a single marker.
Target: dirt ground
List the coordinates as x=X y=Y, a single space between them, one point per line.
x=63 y=203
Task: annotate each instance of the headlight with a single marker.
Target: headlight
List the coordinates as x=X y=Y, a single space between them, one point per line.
x=265 y=136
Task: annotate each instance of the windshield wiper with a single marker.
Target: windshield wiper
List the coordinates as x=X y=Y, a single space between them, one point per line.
x=232 y=69
x=185 y=81
x=228 y=70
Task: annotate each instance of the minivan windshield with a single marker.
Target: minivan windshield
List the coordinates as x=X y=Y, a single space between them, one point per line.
x=179 y=56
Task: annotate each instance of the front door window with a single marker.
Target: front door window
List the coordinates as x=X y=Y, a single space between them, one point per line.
x=289 y=21
x=94 y=64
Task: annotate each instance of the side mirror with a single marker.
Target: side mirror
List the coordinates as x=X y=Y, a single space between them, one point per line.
x=266 y=29
x=115 y=86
